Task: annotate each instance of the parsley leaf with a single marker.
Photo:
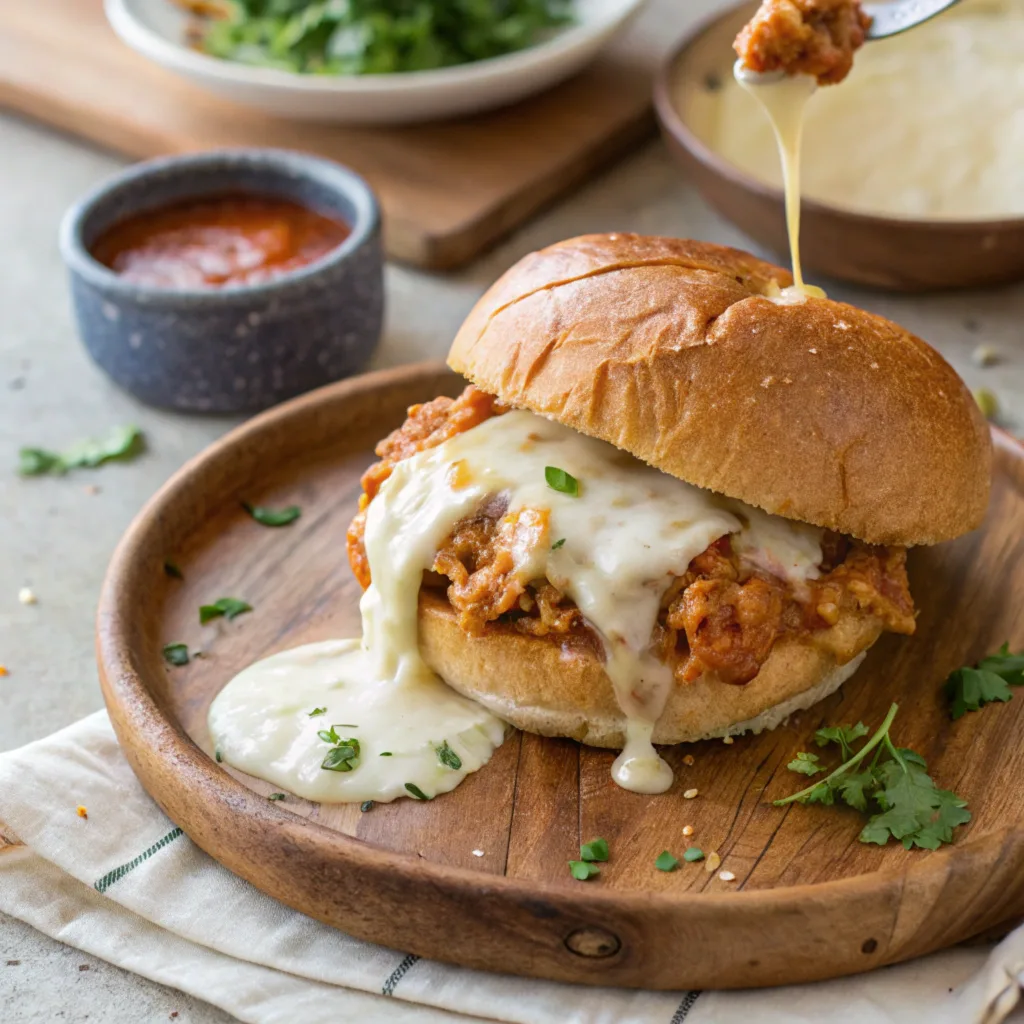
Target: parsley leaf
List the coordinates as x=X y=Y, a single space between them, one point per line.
x=276 y=796
x=122 y=443
x=316 y=712
x=805 y=764
x=692 y=854
x=895 y=789
x=665 y=861
x=557 y=544
x=176 y=654
x=559 y=480
x=343 y=757
x=581 y=870
x=970 y=689
x=596 y=849
x=229 y=607
x=367 y=805
x=416 y=791
x=271 y=516
x=448 y=757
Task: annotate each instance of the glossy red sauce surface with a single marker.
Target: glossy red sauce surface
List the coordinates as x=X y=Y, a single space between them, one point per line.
x=218 y=241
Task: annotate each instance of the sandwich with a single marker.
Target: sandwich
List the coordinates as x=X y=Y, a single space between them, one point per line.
x=667 y=506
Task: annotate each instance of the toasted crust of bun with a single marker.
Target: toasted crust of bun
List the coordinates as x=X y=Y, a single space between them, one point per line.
x=670 y=349
x=554 y=687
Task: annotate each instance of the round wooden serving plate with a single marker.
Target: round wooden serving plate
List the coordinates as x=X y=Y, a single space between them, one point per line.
x=809 y=901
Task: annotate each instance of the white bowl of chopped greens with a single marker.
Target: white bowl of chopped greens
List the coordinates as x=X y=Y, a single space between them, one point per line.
x=371 y=61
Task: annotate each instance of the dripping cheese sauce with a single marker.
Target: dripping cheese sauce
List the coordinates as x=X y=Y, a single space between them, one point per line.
x=627 y=534
x=218 y=241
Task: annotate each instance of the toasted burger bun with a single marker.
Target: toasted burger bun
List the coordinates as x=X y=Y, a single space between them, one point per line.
x=670 y=349
x=554 y=687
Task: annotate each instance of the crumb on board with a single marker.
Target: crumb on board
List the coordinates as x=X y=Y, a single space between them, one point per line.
x=687 y=830
x=478 y=853
x=688 y=760
x=83 y=967
x=726 y=876
x=728 y=741
x=690 y=794
x=27 y=596
x=82 y=812
x=985 y=355
x=712 y=862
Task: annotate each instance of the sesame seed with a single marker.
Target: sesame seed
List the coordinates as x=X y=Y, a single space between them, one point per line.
x=726 y=876
x=478 y=853
x=688 y=759
x=712 y=861
x=728 y=740
x=687 y=830
x=26 y=596
x=690 y=794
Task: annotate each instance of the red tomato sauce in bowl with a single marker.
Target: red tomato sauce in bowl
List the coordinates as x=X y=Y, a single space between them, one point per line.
x=217 y=242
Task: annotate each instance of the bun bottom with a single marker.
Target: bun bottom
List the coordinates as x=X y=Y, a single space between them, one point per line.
x=557 y=687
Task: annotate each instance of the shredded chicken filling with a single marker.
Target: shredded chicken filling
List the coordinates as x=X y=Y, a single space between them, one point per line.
x=722 y=618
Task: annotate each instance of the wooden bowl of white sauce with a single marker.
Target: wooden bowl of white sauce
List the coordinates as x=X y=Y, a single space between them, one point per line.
x=912 y=170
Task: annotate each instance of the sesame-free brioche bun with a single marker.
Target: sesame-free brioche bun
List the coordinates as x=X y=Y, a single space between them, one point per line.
x=673 y=351
x=557 y=687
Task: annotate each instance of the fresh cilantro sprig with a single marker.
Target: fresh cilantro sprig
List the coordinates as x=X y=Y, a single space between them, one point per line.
x=971 y=688
x=894 y=789
x=122 y=443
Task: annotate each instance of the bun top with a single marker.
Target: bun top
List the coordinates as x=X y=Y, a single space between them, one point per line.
x=673 y=351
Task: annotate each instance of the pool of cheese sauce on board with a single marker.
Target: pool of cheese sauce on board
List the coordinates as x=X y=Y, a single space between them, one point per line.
x=928 y=124
x=625 y=535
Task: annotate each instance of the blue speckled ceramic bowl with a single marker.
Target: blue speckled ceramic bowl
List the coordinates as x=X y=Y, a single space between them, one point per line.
x=234 y=349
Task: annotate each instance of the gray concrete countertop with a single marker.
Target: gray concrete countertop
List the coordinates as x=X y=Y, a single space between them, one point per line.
x=56 y=536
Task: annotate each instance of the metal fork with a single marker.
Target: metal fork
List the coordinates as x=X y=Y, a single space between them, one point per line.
x=892 y=18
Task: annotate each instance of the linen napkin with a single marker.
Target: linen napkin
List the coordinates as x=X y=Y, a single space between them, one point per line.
x=128 y=886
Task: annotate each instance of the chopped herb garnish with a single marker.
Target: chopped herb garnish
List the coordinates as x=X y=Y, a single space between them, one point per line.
x=596 y=849
x=581 y=870
x=844 y=735
x=228 y=607
x=316 y=712
x=557 y=544
x=970 y=689
x=692 y=854
x=343 y=757
x=273 y=516
x=121 y=443
x=448 y=757
x=894 y=789
x=805 y=764
x=416 y=791
x=666 y=862
x=217 y=757
x=276 y=796
x=558 y=480
x=176 y=654
x=386 y=753
x=170 y=569
x=367 y=805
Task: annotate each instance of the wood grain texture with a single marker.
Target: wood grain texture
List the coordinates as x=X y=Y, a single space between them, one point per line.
x=447 y=190
x=405 y=875
x=884 y=252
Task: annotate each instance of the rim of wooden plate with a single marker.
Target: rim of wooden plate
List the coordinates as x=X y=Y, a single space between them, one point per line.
x=573 y=932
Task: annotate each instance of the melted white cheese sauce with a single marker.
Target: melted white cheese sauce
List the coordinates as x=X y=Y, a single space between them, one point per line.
x=928 y=124
x=614 y=547
x=262 y=725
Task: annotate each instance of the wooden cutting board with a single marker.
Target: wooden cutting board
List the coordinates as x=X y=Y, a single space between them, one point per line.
x=448 y=190
x=808 y=900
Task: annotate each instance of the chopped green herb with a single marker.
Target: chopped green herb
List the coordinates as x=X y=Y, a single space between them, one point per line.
x=229 y=607
x=316 y=712
x=448 y=757
x=895 y=790
x=176 y=654
x=343 y=757
x=581 y=870
x=217 y=757
x=386 y=753
x=596 y=849
x=558 y=480
x=805 y=764
x=970 y=689
x=692 y=854
x=666 y=862
x=122 y=443
x=276 y=796
x=367 y=805
x=273 y=516
x=173 y=571
x=557 y=544
x=416 y=791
